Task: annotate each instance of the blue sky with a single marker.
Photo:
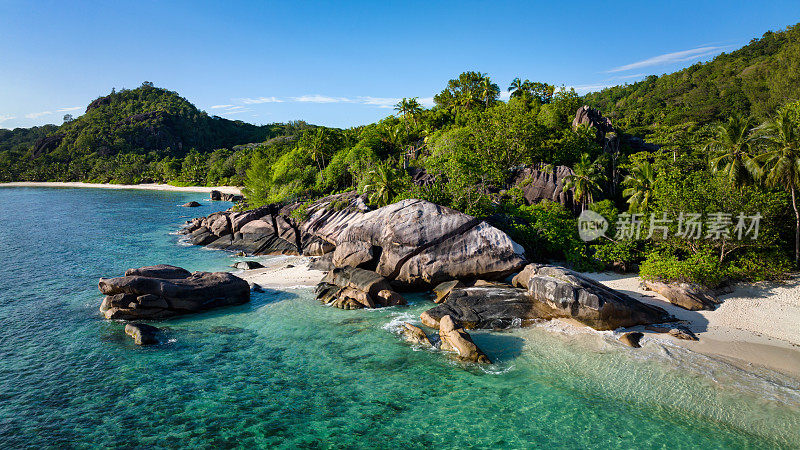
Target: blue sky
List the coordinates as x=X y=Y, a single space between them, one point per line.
x=345 y=63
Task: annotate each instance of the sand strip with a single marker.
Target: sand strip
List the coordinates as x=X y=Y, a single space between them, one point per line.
x=145 y=186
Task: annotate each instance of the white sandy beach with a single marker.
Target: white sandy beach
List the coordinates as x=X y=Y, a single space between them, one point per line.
x=145 y=186
x=283 y=272
x=757 y=324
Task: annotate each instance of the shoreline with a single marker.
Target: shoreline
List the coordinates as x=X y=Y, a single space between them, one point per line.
x=145 y=186
x=735 y=332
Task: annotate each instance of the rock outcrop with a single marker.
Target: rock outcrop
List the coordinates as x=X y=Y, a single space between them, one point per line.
x=247 y=265
x=354 y=288
x=271 y=229
x=453 y=338
x=631 y=338
x=414 y=335
x=225 y=197
x=688 y=296
x=488 y=307
x=419 y=244
x=191 y=204
x=677 y=331
x=569 y=294
x=545 y=183
x=142 y=334
x=586 y=115
x=158 y=292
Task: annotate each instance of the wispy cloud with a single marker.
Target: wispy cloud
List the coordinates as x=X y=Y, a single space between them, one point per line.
x=316 y=98
x=380 y=102
x=669 y=58
x=426 y=102
x=627 y=77
x=73 y=108
x=254 y=101
x=586 y=88
x=3 y=118
x=220 y=106
x=36 y=115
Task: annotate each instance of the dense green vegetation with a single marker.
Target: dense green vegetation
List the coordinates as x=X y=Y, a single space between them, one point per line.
x=728 y=131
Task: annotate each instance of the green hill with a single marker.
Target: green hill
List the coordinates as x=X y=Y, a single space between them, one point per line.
x=751 y=81
x=144 y=121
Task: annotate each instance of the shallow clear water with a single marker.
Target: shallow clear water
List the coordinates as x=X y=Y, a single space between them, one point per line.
x=286 y=371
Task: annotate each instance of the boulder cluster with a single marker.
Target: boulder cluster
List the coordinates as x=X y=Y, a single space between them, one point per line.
x=158 y=292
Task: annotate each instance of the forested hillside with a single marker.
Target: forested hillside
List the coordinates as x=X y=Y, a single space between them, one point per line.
x=751 y=81
x=118 y=132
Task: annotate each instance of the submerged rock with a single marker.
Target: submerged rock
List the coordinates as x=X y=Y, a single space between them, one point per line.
x=455 y=339
x=166 y=291
x=688 y=296
x=142 y=334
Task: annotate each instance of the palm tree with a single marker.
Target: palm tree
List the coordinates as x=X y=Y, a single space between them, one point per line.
x=585 y=180
x=383 y=184
x=730 y=149
x=639 y=187
x=781 y=162
x=518 y=87
x=489 y=90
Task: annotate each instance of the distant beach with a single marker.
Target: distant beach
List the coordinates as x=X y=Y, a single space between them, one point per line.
x=145 y=186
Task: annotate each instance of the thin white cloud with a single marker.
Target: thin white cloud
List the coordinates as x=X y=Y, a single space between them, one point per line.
x=316 y=98
x=254 y=101
x=74 y=108
x=36 y=115
x=426 y=102
x=586 y=88
x=380 y=102
x=627 y=77
x=669 y=58
x=220 y=106
x=3 y=118
x=505 y=95
x=235 y=111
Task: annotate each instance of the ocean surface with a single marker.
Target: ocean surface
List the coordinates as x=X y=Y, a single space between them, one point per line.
x=285 y=371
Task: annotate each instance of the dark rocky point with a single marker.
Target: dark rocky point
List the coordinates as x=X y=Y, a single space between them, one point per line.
x=142 y=334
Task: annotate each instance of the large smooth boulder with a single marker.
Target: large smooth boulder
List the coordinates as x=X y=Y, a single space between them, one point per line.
x=687 y=296
x=414 y=335
x=544 y=183
x=164 y=291
x=453 y=338
x=416 y=244
x=354 y=288
x=569 y=294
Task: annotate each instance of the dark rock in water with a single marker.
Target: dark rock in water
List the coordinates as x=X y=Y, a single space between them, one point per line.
x=166 y=291
x=247 y=265
x=142 y=334
x=354 y=288
x=569 y=294
x=540 y=182
x=220 y=196
x=688 y=296
x=158 y=271
x=631 y=339
x=416 y=243
x=493 y=307
x=191 y=204
x=455 y=339
x=415 y=335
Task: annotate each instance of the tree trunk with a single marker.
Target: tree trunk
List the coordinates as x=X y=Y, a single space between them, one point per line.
x=796 y=228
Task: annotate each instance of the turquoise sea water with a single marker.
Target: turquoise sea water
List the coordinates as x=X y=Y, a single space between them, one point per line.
x=286 y=371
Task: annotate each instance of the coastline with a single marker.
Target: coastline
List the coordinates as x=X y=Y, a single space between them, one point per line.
x=754 y=327
x=145 y=186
